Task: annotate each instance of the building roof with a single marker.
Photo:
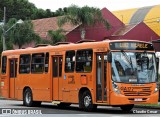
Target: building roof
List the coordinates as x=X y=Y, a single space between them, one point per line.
x=147 y=14
x=125 y=29
x=42 y=26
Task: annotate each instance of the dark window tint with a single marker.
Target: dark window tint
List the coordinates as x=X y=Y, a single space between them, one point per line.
x=4 y=64
x=37 y=65
x=70 y=61
x=55 y=67
x=13 y=68
x=24 y=66
x=46 y=62
x=84 y=60
x=60 y=66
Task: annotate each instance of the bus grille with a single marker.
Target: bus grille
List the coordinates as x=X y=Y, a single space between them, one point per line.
x=138 y=91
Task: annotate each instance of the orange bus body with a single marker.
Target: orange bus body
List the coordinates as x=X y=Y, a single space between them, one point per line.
x=65 y=83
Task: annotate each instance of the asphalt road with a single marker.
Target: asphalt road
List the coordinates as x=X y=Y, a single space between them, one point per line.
x=16 y=109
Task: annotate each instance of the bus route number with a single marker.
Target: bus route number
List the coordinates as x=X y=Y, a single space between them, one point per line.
x=126 y=88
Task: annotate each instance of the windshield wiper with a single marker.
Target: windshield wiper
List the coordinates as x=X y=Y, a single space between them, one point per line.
x=128 y=60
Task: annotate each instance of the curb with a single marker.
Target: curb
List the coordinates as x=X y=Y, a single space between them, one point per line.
x=2 y=99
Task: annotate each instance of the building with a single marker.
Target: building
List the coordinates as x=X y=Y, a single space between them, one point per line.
x=149 y=15
x=124 y=26
x=98 y=32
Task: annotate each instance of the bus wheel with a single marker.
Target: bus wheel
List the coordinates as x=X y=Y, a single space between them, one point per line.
x=127 y=107
x=86 y=102
x=28 y=99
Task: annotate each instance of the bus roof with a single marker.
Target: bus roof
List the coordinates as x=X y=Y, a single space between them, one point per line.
x=69 y=46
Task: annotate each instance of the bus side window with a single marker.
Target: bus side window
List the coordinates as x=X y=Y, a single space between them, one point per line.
x=24 y=66
x=37 y=65
x=84 y=60
x=70 y=61
x=46 y=62
x=4 y=64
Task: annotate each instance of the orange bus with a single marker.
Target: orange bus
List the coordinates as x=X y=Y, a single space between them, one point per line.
x=117 y=73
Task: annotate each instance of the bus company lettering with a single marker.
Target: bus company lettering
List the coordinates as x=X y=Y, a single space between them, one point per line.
x=101 y=49
x=133 y=45
x=71 y=79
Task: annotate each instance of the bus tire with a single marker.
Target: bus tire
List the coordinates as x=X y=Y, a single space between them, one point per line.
x=86 y=102
x=127 y=108
x=28 y=98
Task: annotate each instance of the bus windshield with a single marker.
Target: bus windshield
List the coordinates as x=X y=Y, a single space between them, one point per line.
x=133 y=67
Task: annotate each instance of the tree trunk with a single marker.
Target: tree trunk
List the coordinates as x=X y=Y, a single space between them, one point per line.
x=83 y=33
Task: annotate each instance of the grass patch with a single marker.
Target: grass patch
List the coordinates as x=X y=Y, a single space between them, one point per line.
x=149 y=105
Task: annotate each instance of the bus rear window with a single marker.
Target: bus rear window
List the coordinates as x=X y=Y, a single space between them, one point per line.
x=4 y=64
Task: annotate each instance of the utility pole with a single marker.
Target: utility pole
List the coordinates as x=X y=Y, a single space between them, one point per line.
x=4 y=33
x=6 y=30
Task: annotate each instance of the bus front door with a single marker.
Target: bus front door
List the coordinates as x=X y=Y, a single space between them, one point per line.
x=101 y=78
x=12 y=77
x=57 y=77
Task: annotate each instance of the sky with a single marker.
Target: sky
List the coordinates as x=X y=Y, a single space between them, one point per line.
x=112 y=5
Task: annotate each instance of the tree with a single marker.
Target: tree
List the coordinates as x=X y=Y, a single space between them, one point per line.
x=22 y=34
x=22 y=9
x=19 y=9
x=83 y=16
x=1 y=45
x=56 y=36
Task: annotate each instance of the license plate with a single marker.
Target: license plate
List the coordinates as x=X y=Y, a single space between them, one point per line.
x=138 y=99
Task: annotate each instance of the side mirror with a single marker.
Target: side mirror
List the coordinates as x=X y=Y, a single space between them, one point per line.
x=109 y=57
x=157 y=64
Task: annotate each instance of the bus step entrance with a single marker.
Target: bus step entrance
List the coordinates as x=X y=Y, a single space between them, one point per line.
x=56 y=102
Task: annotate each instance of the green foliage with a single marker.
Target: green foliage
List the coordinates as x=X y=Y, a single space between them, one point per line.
x=56 y=36
x=84 y=16
x=19 y=9
x=23 y=9
x=1 y=44
x=148 y=105
x=21 y=34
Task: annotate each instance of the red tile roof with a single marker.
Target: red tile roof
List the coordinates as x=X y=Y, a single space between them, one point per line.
x=42 y=26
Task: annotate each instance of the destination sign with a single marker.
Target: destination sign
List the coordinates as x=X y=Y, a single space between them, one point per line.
x=130 y=46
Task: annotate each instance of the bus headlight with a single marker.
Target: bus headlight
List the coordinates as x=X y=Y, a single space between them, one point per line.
x=115 y=88
x=156 y=89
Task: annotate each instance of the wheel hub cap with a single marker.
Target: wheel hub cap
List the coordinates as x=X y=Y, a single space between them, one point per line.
x=87 y=101
x=28 y=97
